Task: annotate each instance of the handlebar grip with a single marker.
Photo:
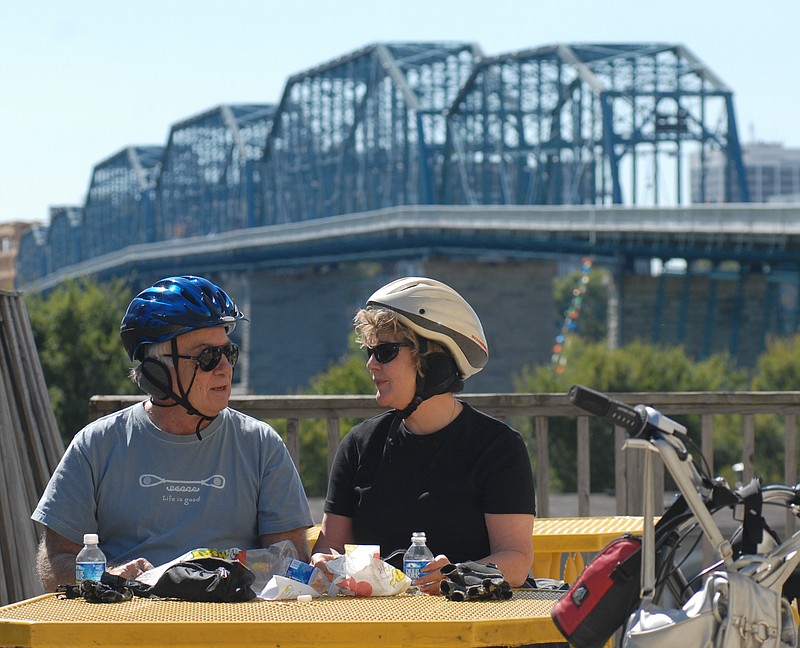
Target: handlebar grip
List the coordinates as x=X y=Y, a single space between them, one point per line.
x=629 y=418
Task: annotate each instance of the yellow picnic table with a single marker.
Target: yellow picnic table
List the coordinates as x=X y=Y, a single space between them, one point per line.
x=559 y=544
x=408 y=619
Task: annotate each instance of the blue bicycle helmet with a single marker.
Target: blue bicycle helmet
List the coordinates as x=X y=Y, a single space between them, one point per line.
x=172 y=307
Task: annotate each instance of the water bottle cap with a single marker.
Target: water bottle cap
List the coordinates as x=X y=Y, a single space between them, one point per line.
x=90 y=538
x=418 y=535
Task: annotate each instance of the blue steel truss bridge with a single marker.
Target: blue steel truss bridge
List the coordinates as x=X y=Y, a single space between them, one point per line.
x=402 y=151
x=399 y=124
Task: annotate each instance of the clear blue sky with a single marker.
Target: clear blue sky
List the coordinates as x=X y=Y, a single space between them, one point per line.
x=82 y=79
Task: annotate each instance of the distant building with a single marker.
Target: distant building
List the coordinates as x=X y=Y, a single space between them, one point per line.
x=773 y=174
x=10 y=235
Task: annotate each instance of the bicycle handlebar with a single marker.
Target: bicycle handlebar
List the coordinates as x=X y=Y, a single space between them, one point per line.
x=634 y=420
x=651 y=429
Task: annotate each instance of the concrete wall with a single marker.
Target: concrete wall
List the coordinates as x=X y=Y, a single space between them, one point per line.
x=301 y=321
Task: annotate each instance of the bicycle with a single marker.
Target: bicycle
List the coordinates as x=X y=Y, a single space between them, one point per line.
x=771 y=564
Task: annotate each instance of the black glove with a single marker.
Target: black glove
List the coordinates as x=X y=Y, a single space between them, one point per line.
x=96 y=592
x=474 y=581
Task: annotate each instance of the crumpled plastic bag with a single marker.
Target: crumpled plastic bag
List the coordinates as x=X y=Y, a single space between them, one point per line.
x=361 y=572
x=295 y=578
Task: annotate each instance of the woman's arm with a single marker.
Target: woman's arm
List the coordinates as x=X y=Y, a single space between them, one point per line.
x=336 y=532
x=511 y=545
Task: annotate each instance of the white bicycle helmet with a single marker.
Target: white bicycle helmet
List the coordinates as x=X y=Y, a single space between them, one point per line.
x=435 y=311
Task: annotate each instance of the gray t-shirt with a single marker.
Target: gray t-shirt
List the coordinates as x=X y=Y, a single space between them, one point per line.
x=149 y=493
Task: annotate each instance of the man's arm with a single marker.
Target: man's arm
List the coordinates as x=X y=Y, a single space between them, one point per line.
x=297 y=536
x=55 y=560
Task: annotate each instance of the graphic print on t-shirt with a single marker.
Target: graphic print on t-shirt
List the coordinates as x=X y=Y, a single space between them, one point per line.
x=181 y=491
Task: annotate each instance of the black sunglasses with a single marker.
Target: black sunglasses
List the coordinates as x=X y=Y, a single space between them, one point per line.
x=209 y=358
x=385 y=351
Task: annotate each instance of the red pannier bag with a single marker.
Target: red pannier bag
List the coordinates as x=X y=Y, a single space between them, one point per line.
x=604 y=596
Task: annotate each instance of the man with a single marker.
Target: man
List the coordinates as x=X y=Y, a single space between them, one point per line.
x=180 y=470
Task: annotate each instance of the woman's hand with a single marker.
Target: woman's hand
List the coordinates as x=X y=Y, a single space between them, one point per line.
x=320 y=560
x=431 y=575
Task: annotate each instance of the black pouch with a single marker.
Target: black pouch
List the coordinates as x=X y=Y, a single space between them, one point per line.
x=206 y=579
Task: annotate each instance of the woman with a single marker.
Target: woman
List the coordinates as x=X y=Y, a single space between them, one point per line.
x=431 y=463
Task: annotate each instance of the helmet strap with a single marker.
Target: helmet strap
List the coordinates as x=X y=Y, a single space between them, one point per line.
x=391 y=437
x=439 y=375
x=155 y=378
x=160 y=379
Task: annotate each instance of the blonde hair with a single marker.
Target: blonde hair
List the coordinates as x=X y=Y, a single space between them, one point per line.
x=375 y=324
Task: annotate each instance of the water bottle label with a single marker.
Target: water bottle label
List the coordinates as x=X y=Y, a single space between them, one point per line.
x=299 y=571
x=412 y=568
x=89 y=571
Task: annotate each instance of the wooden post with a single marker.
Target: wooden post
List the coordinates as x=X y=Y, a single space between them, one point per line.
x=584 y=466
x=542 y=475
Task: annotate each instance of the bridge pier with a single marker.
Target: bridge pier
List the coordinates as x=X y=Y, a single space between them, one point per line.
x=301 y=319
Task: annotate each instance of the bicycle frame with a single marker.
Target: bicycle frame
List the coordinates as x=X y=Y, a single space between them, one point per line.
x=689 y=483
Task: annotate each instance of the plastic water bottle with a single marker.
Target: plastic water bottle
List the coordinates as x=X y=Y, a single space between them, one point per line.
x=307 y=574
x=417 y=555
x=90 y=562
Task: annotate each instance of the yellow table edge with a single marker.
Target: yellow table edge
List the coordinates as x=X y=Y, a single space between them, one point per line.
x=128 y=632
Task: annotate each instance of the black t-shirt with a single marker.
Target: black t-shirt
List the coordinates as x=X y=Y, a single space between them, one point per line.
x=441 y=483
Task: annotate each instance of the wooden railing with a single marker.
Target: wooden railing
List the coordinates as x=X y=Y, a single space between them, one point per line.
x=541 y=408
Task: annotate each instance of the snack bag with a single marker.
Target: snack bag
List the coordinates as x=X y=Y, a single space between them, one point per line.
x=361 y=572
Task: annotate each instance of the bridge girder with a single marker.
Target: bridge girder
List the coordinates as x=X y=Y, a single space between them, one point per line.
x=564 y=124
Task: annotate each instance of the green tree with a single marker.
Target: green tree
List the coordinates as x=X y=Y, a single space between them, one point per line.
x=581 y=300
x=778 y=369
x=76 y=330
x=635 y=367
x=348 y=376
